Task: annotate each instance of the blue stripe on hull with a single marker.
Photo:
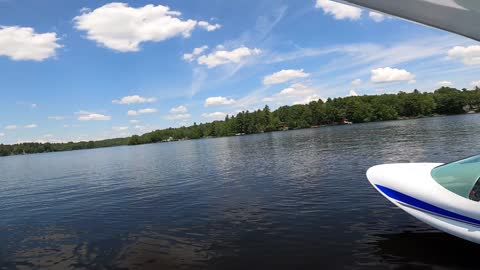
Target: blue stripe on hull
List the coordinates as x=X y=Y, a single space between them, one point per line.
x=421 y=205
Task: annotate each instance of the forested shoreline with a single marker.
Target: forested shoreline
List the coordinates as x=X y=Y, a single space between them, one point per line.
x=356 y=109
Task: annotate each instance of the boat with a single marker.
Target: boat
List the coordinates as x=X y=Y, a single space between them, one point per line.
x=445 y=196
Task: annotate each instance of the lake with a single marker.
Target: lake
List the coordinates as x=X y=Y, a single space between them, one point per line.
x=284 y=200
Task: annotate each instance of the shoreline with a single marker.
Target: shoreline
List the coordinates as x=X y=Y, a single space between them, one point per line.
x=214 y=137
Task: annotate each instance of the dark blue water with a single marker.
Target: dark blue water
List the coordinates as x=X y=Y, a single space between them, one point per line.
x=283 y=200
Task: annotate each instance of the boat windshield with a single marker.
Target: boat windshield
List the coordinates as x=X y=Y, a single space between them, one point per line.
x=460 y=177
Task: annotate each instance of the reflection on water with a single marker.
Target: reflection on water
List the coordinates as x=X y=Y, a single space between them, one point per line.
x=427 y=250
x=288 y=200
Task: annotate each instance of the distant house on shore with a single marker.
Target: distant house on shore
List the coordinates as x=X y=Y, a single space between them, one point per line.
x=471 y=108
x=282 y=126
x=345 y=121
x=170 y=139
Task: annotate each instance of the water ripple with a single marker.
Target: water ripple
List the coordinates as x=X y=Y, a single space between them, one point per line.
x=296 y=199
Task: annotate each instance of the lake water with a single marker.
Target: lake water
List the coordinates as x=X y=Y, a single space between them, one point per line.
x=283 y=200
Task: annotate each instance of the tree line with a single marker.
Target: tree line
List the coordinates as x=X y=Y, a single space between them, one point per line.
x=357 y=109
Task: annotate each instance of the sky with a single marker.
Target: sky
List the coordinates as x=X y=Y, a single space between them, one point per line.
x=89 y=70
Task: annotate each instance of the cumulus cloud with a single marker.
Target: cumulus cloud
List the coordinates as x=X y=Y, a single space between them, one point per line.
x=215 y=101
x=444 y=83
x=30 y=126
x=123 y=28
x=475 y=83
x=307 y=99
x=91 y=116
x=338 y=10
x=468 y=55
x=352 y=93
x=23 y=43
x=209 y=27
x=179 y=109
x=284 y=75
x=133 y=99
x=388 y=74
x=179 y=116
x=222 y=56
x=214 y=115
x=134 y=121
x=375 y=16
x=11 y=127
x=295 y=94
x=142 y=111
x=177 y=113
x=357 y=82
x=196 y=52
x=119 y=128
x=56 y=117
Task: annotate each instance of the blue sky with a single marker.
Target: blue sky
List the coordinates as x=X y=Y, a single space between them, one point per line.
x=76 y=70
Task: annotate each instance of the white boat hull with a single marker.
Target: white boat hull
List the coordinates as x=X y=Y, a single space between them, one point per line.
x=411 y=187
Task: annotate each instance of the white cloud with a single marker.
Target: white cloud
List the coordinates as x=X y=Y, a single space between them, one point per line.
x=357 y=82
x=475 y=83
x=91 y=116
x=119 y=128
x=134 y=99
x=295 y=94
x=388 y=74
x=33 y=106
x=134 y=121
x=308 y=99
x=178 y=113
x=222 y=56
x=196 y=52
x=56 y=117
x=2 y=134
x=22 y=43
x=338 y=10
x=142 y=111
x=11 y=127
x=122 y=28
x=468 y=55
x=214 y=101
x=284 y=75
x=209 y=27
x=444 y=83
x=376 y=16
x=352 y=93
x=179 y=109
x=178 y=116
x=358 y=59
x=30 y=126
x=214 y=115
